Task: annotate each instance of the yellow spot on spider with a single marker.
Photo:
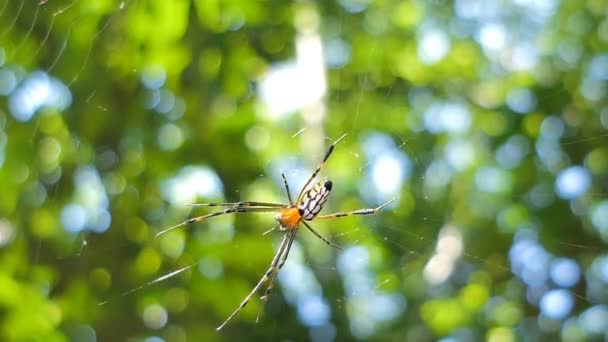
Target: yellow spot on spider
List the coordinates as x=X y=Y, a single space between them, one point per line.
x=290 y=218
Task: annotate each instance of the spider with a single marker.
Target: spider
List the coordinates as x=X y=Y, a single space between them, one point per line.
x=308 y=204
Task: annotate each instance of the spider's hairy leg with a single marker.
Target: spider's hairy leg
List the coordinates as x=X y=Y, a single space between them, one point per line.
x=320 y=167
x=365 y=211
x=275 y=266
x=271 y=280
x=321 y=237
x=238 y=204
x=230 y=210
x=269 y=230
x=287 y=188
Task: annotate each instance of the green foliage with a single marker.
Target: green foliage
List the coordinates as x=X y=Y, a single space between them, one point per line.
x=159 y=91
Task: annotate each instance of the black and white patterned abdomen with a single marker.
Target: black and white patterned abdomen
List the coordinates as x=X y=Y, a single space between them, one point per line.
x=314 y=200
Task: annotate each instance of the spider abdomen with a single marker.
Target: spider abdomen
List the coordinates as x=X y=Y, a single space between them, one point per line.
x=314 y=200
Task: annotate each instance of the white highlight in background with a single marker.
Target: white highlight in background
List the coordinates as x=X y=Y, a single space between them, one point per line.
x=447 y=252
x=291 y=86
x=190 y=184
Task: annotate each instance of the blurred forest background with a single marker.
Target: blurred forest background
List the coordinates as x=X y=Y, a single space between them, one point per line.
x=487 y=120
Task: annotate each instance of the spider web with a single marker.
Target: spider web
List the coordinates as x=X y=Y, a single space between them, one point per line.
x=436 y=255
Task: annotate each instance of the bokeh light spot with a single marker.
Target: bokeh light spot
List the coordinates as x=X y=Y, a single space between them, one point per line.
x=565 y=272
x=557 y=304
x=572 y=182
x=155 y=316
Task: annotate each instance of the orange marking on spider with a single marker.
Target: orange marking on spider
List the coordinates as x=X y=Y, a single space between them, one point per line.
x=309 y=203
x=289 y=218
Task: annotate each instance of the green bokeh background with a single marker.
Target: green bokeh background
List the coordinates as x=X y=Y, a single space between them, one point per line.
x=214 y=54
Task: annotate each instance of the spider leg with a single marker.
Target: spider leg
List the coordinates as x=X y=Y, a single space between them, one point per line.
x=318 y=169
x=287 y=188
x=238 y=204
x=269 y=230
x=321 y=237
x=272 y=278
x=366 y=211
x=275 y=266
x=230 y=210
